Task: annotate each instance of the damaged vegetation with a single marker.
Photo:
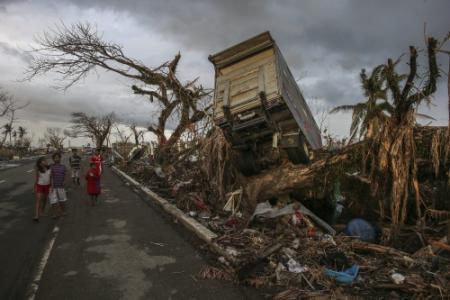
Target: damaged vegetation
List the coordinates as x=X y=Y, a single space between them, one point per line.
x=367 y=221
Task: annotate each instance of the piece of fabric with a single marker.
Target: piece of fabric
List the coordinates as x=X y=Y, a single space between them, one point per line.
x=44 y=177
x=57 y=195
x=58 y=173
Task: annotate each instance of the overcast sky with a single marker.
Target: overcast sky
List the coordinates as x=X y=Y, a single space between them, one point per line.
x=325 y=42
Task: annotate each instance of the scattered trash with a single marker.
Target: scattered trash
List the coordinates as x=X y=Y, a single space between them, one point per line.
x=328 y=238
x=346 y=277
x=232 y=252
x=295 y=267
x=204 y=214
x=159 y=172
x=179 y=185
x=192 y=214
x=296 y=243
x=398 y=278
x=223 y=260
x=233 y=202
x=280 y=268
x=265 y=210
x=361 y=229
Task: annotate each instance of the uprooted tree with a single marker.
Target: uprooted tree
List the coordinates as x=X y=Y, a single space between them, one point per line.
x=391 y=148
x=93 y=127
x=74 y=51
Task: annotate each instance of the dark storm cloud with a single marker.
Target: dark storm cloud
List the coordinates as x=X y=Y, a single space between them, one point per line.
x=313 y=35
x=13 y=51
x=325 y=42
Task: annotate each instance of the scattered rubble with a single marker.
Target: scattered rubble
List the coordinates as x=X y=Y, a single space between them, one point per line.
x=282 y=245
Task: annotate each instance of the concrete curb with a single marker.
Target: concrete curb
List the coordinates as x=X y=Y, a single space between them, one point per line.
x=200 y=230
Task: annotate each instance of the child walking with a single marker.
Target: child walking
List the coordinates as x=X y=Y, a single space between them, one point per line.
x=75 y=163
x=93 y=183
x=57 y=194
x=41 y=187
x=98 y=160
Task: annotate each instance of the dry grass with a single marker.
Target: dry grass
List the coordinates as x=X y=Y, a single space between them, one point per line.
x=216 y=154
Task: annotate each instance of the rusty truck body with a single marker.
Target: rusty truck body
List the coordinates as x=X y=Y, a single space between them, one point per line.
x=259 y=106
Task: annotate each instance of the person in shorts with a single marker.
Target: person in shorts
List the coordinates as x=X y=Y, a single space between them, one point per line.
x=75 y=165
x=41 y=187
x=57 y=195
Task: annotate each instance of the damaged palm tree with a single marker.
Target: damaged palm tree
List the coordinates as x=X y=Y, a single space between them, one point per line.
x=74 y=51
x=368 y=115
x=394 y=167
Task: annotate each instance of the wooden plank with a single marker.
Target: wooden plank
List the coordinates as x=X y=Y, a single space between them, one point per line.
x=242 y=50
x=261 y=80
x=270 y=53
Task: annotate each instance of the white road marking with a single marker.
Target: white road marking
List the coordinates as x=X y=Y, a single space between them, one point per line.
x=32 y=291
x=2 y=181
x=29 y=171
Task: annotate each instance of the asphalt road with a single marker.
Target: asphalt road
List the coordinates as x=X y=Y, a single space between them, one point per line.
x=121 y=249
x=21 y=241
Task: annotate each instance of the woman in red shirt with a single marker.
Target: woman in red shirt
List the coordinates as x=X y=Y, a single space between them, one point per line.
x=98 y=160
x=93 y=183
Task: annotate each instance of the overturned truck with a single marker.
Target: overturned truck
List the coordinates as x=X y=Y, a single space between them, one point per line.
x=259 y=106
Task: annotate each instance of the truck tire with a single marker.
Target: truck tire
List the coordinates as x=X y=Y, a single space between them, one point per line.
x=300 y=154
x=247 y=163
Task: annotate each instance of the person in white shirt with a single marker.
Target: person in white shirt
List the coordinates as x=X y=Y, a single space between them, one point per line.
x=41 y=187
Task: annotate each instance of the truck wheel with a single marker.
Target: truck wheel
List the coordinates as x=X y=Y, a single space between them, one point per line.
x=300 y=154
x=247 y=163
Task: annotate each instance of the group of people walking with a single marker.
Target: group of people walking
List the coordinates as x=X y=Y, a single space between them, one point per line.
x=51 y=181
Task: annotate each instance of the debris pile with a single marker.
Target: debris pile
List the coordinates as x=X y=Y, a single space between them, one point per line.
x=293 y=246
x=302 y=264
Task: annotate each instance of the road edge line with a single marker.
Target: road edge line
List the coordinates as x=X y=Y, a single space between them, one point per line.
x=34 y=286
x=191 y=224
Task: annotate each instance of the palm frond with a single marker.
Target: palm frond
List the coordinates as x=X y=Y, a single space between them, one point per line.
x=424 y=116
x=342 y=108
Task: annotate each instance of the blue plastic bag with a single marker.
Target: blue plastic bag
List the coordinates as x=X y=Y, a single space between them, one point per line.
x=346 y=277
x=361 y=229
